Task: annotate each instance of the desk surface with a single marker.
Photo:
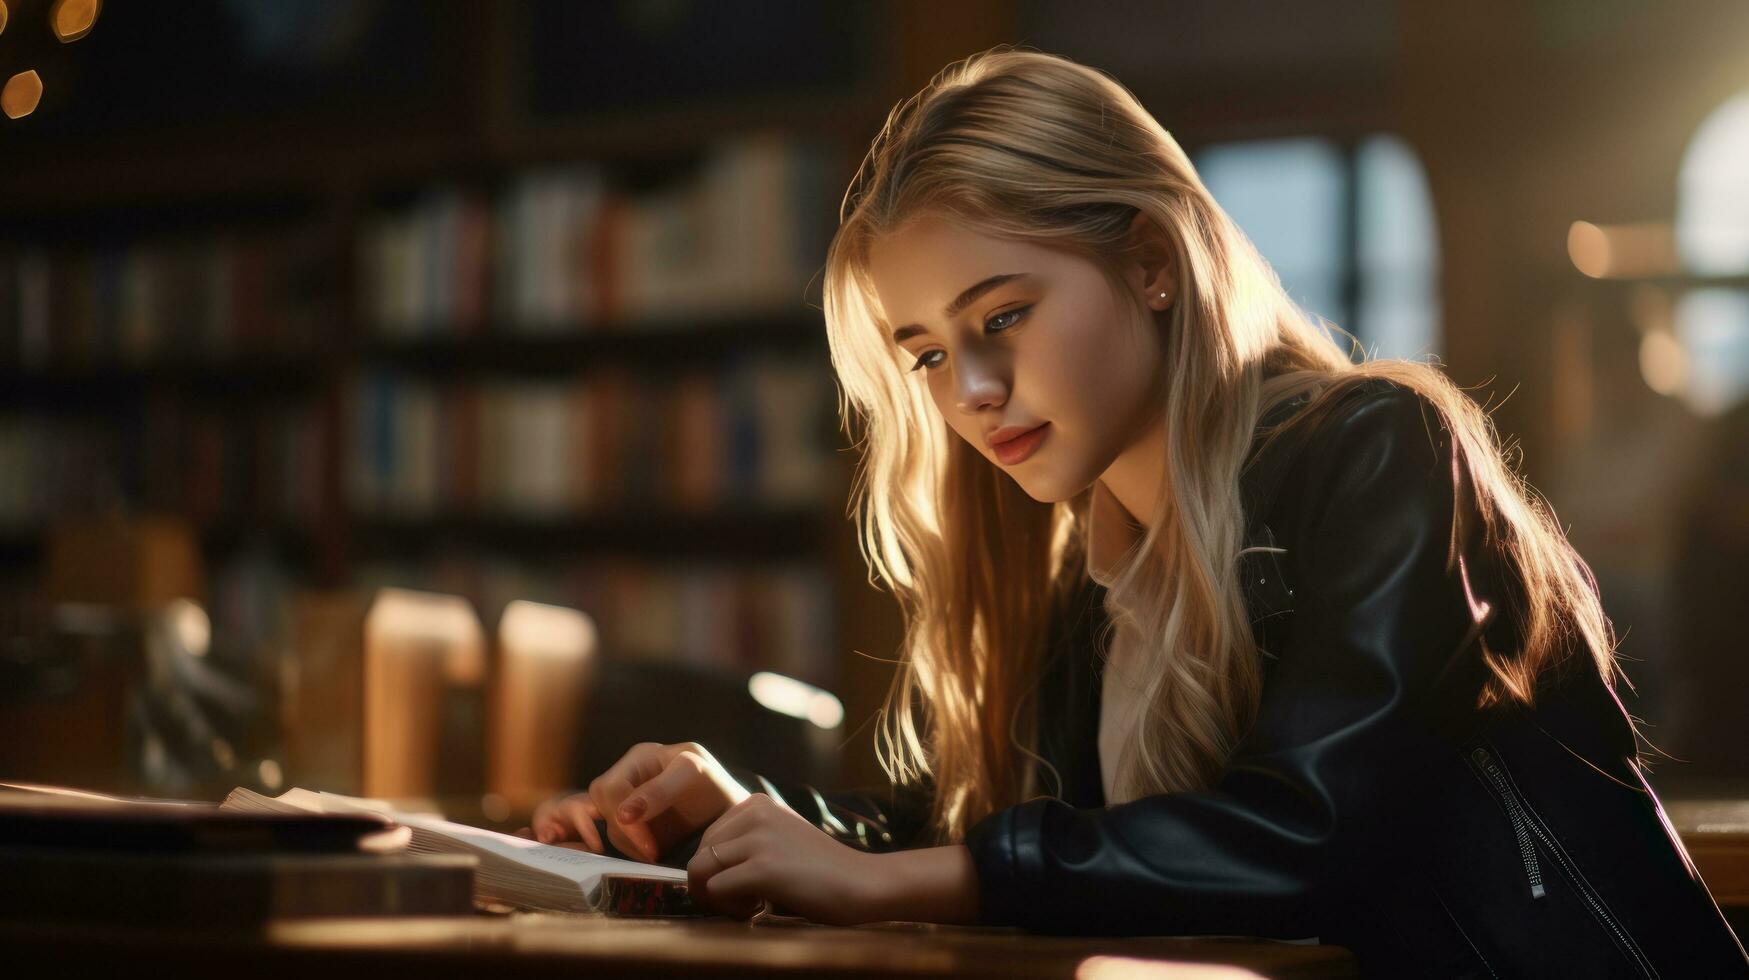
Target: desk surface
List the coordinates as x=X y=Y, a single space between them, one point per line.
x=1716 y=833
x=544 y=945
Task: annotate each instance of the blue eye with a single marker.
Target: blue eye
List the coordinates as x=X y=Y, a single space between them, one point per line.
x=1017 y=312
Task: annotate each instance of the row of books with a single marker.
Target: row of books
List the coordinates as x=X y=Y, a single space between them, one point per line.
x=262 y=466
x=756 y=433
x=201 y=297
x=734 y=616
x=565 y=249
x=558 y=249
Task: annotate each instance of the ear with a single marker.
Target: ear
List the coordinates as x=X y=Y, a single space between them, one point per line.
x=1153 y=265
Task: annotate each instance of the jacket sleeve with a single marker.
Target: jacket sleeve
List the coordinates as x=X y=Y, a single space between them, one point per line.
x=1377 y=616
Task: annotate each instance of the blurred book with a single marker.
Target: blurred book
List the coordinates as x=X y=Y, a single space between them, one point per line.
x=513 y=871
x=719 y=614
x=259 y=465
x=567 y=250
x=546 y=664
x=41 y=816
x=383 y=694
x=755 y=434
x=69 y=855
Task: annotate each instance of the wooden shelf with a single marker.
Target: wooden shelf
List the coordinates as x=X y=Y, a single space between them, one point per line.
x=669 y=340
x=100 y=383
x=1684 y=282
x=21 y=546
x=240 y=165
x=738 y=535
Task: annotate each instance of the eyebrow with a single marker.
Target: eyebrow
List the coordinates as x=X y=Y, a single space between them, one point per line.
x=960 y=302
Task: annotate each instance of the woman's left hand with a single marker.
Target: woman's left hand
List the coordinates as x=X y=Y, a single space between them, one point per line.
x=760 y=850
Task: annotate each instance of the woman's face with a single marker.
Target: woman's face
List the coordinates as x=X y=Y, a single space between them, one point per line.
x=1015 y=337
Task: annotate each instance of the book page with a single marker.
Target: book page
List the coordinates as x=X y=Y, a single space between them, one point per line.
x=583 y=867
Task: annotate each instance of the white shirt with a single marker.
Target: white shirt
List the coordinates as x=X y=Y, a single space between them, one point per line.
x=1110 y=533
x=1119 y=708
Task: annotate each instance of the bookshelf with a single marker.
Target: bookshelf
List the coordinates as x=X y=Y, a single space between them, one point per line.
x=440 y=103
x=522 y=352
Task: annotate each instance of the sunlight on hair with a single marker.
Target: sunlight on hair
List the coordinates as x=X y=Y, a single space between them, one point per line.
x=1039 y=149
x=788 y=696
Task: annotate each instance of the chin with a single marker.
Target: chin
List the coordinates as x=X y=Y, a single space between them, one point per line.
x=1048 y=488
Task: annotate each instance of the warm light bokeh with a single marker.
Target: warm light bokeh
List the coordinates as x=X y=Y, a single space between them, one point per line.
x=73 y=19
x=21 y=94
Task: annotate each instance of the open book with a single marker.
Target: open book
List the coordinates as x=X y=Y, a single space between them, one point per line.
x=513 y=871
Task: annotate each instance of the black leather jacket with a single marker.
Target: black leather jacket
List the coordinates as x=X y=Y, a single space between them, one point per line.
x=1372 y=805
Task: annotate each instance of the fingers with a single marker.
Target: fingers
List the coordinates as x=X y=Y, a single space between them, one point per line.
x=640 y=764
x=566 y=818
x=733 y=890
x=578 y=812
x=728 y=841
x=683 y=773
x=706 y=862
x=545 y=824
x=707 y=870
x=734 y=822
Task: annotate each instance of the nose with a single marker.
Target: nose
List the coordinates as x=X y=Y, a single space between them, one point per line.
x=978 y=384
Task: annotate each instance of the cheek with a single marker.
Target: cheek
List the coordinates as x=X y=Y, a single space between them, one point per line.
x=1074 y=383
x=1098 y=387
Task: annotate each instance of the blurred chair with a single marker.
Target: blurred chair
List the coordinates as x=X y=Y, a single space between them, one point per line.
x=111 y=687
x=321 y=686
x=680 y=702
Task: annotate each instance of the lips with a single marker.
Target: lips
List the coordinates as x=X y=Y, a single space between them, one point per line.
x=1014 y=444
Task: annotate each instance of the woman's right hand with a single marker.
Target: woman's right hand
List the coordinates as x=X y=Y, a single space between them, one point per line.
x=652 y=798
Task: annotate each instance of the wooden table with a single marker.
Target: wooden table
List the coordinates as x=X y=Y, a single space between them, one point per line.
x=1716 y=833
x=548 y=945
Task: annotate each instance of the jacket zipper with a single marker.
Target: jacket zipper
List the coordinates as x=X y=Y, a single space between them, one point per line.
x=1530 y=829
x=1520 y=826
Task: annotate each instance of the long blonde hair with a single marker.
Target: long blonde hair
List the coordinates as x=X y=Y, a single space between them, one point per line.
x=1036 y=148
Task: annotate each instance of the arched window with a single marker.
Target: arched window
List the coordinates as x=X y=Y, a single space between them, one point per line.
x=1712 y=241
x=1349 y=228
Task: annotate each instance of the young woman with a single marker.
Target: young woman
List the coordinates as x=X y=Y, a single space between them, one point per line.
x=1209 y=630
